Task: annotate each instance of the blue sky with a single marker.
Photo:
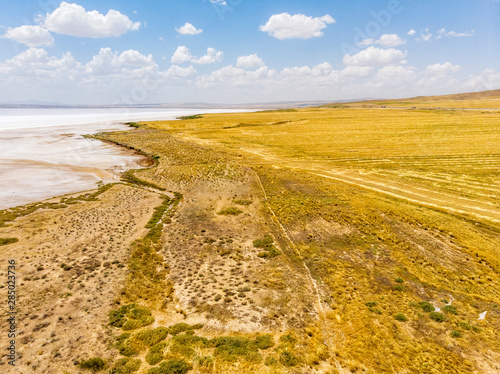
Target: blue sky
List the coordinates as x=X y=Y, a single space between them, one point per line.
x=242 y=51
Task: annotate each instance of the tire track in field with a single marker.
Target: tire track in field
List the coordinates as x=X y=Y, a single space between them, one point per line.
x=312 y=282
x=424 y=200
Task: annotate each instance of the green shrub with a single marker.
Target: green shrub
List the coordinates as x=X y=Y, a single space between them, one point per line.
x=426 y=307
x=288 y=339
x=456 y=334
x=155 y=354
x=371 y=304
x=436 y=316
x=130 y=317
x=400 y=317
x=151 y=337
x=262 y=243
x=195 y=116
x=449 y=309
x=270 y=361
x=183 y=344
x=206 y=362
x=231 y=211
x=266 y=243
x=399 y=280
x=94 y=364
x=264 y=341
x=288 y=359
x=171 y=367
x=126 y=366
x=399 y=288
x=465 y=326
x=178 y=328
x=230 y=348
x=5 y=241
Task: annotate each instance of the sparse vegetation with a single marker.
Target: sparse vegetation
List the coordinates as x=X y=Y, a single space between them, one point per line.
x=436 y=316
x=95 y=364
x=355 y=232
x=400 y=317
x=126 y=366
x=171 y=367
x=6 y=241
x=231 y=211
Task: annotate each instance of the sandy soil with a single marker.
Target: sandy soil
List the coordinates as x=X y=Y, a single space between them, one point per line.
x=71 y=264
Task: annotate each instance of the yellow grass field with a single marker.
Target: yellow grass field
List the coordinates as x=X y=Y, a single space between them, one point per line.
x=317 y=240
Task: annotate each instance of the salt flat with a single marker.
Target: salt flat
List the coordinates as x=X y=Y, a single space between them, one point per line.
x=43 y=152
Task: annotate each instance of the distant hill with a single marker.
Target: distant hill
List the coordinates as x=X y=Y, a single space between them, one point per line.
x=470 y=100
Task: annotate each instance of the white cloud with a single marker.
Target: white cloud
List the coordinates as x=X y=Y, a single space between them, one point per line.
x=32 y=36
x=135 y=58
x=373 y=56
x=452 y=34
x=182 y=54
x=321 y=70
x=218 y=2
x=110 y=62
x=411 y=32
x=390 y=40
x=178 y=72
x=211 y=57
x=447 y=67
x=250 y=61
x=236 y=77
x=72 y=19
x=35 y=63
x=285 y=26
x=488 y=79
x=424 y=37
x=357 y=71
x=386 y=40
x=188 y=29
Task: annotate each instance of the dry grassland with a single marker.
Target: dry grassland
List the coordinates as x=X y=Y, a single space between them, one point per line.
x=295 y=241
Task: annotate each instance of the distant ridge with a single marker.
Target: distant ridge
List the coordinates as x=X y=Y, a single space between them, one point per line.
x=470 y=100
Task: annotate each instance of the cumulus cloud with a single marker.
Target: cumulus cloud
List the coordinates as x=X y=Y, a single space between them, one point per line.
x=211 y=57
x=32 y=36
x=357 y=71
x=109 y=62
x=285 y=26
x=188 y=29
x=179 y=72
x=218 y=2
x=321 y=70
x=250 y=61
x=373 y=56
x=424 y=37
x=35 y=63
x=452 y=34
x=411 y=32
x=488 y=79
x=72 y=19
x=447 y=67
x=236 y=77
x=135 y=58
x=386 y=40
x=183 y=54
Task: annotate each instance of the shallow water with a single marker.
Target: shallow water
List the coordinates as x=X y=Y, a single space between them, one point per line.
x=43 y=153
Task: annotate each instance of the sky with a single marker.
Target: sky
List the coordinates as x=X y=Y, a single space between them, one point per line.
x=245 y=51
